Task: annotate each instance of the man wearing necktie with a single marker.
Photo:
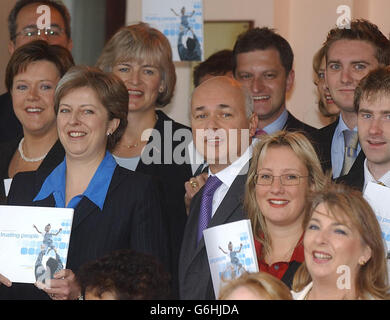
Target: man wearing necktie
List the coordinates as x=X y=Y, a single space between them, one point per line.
x=350 y=55
x=372 y=104
x=223 y=123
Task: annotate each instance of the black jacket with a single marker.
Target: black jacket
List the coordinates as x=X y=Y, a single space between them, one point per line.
x=10 y=126
x=131 y=219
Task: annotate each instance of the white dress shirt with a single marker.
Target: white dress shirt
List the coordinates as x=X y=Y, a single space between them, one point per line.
x=385 y=179
x=227 y=176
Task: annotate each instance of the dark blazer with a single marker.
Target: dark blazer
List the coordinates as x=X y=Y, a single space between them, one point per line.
x=10 y=126
x=293 y=124
x=171 y=178
x=131 y=219
x=322 y=142
x=355 y=176
x=194 y=271
x=7 y=150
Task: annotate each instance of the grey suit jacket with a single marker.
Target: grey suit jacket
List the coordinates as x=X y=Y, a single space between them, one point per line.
x=194 y=271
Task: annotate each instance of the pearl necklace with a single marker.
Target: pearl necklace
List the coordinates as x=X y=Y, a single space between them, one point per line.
x=20 y=149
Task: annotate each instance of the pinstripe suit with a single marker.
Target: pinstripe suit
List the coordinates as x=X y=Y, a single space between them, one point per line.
x=131 y=218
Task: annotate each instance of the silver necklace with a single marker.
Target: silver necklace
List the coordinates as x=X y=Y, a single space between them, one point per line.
x=20 y=149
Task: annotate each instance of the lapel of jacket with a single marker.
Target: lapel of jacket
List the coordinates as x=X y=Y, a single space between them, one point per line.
x=229 y=204
x=86 y=206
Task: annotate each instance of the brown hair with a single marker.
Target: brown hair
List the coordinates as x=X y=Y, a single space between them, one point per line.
x=346 y=204
x=260 y=283
x=109 y=89
x=373 y=85
x=140 y=42
x=263 y=39
x=363 y=30
x=317 y=59
x=37 y=50
x=302 y=147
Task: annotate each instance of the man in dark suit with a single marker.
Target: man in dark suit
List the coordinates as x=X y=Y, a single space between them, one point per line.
x=22 y=25
x=372 y=104
x=221 y=112
x=262 y=62
x=350 y=55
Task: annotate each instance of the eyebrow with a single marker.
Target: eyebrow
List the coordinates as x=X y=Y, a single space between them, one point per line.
x=334 y=224
x=35 y=26
x=352 y=62
x=219 y=106
x=363 y=110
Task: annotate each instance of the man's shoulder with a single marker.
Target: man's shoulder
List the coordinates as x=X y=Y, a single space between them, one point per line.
x=293 y=124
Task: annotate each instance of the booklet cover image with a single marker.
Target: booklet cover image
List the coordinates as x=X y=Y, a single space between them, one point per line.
x=34 y=242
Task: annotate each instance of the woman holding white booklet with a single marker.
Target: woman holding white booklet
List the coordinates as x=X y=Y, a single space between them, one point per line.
x=114 y=208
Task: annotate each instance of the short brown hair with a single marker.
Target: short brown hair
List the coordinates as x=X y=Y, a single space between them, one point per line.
x=263 y=39
x=37 y=50
x=373 y=85
x=218 y=64
x=140 y=42
x=260 y=283
x=350 y=205
x=363 y=30
x=109 y=89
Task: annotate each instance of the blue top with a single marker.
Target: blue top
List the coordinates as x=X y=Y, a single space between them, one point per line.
x=338 y=147
x=278 y=124
x=96 y=190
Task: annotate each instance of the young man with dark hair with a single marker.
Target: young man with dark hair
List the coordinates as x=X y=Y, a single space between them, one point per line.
x=350 y=55
x=372 y=106
x=263 y=63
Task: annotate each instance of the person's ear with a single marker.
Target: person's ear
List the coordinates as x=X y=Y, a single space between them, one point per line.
x=367 y=253
x=290 y=80
x=253 y=121
x=11 y=47
x=112 y=126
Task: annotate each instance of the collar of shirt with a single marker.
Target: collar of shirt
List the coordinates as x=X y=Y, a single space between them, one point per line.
x=227 y=176
x=96 y=190
x=278 y=124
x=230 y=173
x=385 y=179
x=337 y=148
x=278 y=269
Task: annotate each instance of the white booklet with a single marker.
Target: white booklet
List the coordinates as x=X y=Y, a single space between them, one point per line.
x=231 y=252
x=34 y=242
x=379 y=198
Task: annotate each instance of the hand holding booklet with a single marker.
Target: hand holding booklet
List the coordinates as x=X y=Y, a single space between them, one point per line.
x=34 y=242
x=231 y=252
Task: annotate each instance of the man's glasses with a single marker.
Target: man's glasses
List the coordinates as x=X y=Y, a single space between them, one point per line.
x=34 y=32
x=265 y=179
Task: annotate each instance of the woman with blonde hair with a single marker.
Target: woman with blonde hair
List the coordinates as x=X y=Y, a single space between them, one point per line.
x=255 y=286
x=283 y=172
x=152 y=143
x=344 y=251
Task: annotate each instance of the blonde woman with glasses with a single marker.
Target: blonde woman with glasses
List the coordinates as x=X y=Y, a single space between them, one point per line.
x=284 y=171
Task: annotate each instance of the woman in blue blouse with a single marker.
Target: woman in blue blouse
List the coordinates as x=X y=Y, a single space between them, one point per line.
x=115 y=208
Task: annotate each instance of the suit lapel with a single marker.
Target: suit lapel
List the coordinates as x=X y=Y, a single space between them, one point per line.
x=86 y=206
